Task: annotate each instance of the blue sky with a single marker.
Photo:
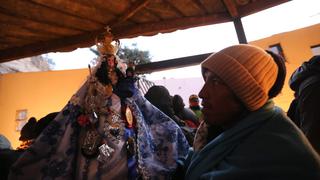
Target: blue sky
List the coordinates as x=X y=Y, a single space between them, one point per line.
x=286 y=17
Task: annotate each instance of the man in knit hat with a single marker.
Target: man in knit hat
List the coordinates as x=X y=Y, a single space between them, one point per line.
x=258 y=140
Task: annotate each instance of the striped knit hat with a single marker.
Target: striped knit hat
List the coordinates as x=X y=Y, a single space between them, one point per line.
x=249 y=71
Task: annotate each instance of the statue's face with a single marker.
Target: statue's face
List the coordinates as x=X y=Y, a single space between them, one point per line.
x=111 y=61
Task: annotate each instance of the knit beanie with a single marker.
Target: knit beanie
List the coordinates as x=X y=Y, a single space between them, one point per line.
x=249 y=71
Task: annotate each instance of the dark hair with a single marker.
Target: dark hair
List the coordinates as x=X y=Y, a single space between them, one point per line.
x=33 y=128
x=278 y=85
x=159 y=96
x=27 y=131
x=44 y=122
x=102 y=73
x=177 y=103
x=130 y=70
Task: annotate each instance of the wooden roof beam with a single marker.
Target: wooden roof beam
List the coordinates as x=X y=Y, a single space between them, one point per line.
x=170 y=25
x=25 y=22
x=200 y=5
x=29 y=10
x=102 y=7
x=30 y=37
x=231 y=7
x=137 y=6
x=233 y=11
x=153 y=13
x=171 y=64
x=25 y=31
x=11 y=41
x=88 y=39
x=258 y=5
x=175 y=9
x=73 y=8
x=37 y=21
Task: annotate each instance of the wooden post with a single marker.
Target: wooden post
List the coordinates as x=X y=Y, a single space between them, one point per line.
x=240 y=31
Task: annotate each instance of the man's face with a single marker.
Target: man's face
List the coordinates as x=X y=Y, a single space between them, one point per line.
x=194 y=102
x=219 y=103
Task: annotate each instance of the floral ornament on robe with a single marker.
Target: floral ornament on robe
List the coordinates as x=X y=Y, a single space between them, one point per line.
x=56 y=153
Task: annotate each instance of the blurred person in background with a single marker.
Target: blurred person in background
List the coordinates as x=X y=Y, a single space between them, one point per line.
x=194 y=105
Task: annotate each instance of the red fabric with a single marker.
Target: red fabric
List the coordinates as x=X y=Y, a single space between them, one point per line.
x=191 y=124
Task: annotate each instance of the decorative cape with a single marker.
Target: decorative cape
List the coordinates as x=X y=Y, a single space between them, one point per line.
x=56 y=152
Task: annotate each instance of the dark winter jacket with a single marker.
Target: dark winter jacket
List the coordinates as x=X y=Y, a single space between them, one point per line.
x=304 y=109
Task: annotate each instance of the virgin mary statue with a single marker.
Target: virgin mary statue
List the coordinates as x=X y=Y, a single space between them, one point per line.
x=107 y=130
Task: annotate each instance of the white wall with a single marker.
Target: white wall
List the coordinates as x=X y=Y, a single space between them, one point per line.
x=183 y=87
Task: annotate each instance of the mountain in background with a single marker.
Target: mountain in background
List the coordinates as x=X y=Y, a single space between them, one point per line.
x=30 y=64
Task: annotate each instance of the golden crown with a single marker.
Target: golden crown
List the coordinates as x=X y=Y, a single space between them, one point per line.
x=107 y=44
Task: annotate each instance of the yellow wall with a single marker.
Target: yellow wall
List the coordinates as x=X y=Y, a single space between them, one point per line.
x=38 y=92
x=44 y=92
x=296 y=46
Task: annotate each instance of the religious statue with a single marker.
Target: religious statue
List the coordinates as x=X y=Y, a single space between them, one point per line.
x=107 y=130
